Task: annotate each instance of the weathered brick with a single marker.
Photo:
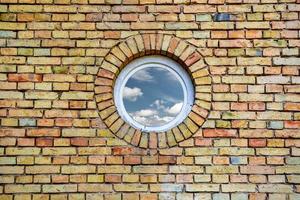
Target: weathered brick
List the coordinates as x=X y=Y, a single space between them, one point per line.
x=95 y=188
x=277 y=188
x=43 y=132
x=43 y=169
x=116 y=169
x=12 y=169
x=22 y=151
x=257 y=170
x=59 y=151
x=166 y=187
x=238 y=187
x=202 y=187
x=57 y=188
x=78 y=169
x=131 y=187
x=77 y=95
x=78 y=132
x=18 y=188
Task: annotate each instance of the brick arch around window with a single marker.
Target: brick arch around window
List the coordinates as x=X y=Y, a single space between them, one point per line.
x=136 y=46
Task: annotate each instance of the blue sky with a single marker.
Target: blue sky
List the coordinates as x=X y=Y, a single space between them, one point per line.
x=153 y=96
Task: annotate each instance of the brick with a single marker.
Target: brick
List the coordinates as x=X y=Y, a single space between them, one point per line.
x=44 y=169
x=202 y=187
x=274 y=115
x=196 y=151
x=166 y=187
x=131 y=187
x=85 y=169
x=222 y=169
x=254 y=61
x=286 y=61
x=95 y=188
x=12 y=169
x=253 y=25
x=238 y=188
x=57 y=188
x=25 y=77
x=181 y=169
x=181 y=26
x=257 y=170
x=22 y=151
x=41 y=95
x=59 y=78
x=255 y=97
x=238 y=115
x=216 y=25
x=17 y=188
x=12 y=26
x=199 y=8
x=116 y=169
x=43 y=132
x=77 y=95
x=11 y=95
x=59 y=151
x=220 y=61
x=273 y=151
x=219 y=133
x=277 y=188
x=147 y=25
x=236 y=151
x=78 y=132
x=150 y=169
x=256 y=133
x=239 y=79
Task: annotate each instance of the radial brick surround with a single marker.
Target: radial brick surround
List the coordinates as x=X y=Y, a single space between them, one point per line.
x=62 y=139
x=150 y=44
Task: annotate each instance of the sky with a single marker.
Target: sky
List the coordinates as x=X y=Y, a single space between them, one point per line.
x=153 y=96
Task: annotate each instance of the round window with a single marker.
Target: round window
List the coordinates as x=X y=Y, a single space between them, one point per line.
x=153 y=93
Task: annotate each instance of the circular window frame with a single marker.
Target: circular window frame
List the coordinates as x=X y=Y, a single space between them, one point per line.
x=161 y=62
x=189 y=56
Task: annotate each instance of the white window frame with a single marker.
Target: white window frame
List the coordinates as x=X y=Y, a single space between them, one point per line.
x=154 y=61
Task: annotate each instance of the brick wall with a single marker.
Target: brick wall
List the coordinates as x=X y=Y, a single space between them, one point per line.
x=54 y=145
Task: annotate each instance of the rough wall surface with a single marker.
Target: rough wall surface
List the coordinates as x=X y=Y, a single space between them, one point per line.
x=54 y=145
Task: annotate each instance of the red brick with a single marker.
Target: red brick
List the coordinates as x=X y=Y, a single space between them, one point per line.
x=43 y=132
x=25 y=77
x=193 y=58
x=110 y=178
x=79 y=141
x=257 y=142
x=219 y=133
x=292 y=124
x=44 y=142
x=132 y=160
x=25 y=142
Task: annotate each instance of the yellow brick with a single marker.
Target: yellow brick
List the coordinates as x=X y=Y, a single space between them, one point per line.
x=96 y=178
x=23 y=151
x=42 y=169
x=34 y=188
x=78 y=169
x=59 y=151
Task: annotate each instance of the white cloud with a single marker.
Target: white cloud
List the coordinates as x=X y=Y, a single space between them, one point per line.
x=142 y=75
x=145 y=113
x=175 y=109
x=151 y=120
x=132 y=94
x=159 y=104
x=150 y=117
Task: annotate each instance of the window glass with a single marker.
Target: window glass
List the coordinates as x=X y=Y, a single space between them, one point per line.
x=153 y=96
